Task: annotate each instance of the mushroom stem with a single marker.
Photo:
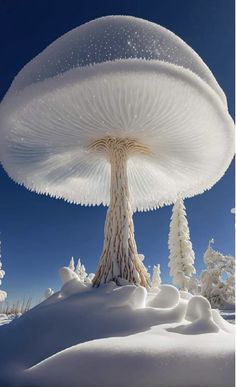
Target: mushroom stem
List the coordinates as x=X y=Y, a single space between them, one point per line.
x=119 y=258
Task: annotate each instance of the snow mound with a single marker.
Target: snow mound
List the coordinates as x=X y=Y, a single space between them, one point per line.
x=117 y=336
x=67 y=274
x=200 y=314
x=167 y=297
x=48 y=292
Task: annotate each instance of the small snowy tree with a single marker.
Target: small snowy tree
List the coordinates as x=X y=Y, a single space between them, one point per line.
x=3 y=294
x=156 y=277
x=80 y=271
x=218 y=280
x=181 y=257
x=72 y=264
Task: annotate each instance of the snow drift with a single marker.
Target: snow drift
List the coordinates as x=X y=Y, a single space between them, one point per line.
x=109 y=336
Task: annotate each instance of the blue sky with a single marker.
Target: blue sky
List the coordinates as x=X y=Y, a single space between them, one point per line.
x=39 y=234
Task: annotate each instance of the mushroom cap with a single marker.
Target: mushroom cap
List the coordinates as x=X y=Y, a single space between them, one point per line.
x=113 y=38
x=123 y=77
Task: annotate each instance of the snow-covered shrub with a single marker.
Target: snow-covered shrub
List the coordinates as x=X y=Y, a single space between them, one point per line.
x=79 y=271
x=218 y=280
x=181 y=257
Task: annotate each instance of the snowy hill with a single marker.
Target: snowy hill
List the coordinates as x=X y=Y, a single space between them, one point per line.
x=119 y=337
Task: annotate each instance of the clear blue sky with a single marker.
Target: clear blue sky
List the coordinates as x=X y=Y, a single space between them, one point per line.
x=39 y=234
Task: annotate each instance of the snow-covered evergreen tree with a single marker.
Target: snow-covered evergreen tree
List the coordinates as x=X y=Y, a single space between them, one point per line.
x=218 y=280
x=80 y=271
x=181 y=257
x=3 y=294
x=72 y=264
x=156 y=277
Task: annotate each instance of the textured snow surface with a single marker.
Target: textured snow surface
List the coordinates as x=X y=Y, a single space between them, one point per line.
x=108 y=337
x=46 y=131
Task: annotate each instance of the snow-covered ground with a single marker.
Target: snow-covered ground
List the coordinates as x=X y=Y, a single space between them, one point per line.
x=118 y=337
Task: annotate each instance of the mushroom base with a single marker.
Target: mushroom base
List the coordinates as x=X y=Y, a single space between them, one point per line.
x=119 y=259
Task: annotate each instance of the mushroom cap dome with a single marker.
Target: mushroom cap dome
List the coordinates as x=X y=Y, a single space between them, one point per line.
x=122 y=77
x=113 y=38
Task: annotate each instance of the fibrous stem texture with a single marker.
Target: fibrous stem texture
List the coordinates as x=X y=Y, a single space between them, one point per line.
x=119 y=259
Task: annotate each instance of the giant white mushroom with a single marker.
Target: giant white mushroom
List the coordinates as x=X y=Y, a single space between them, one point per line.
x=120 y=112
